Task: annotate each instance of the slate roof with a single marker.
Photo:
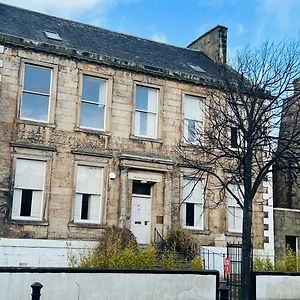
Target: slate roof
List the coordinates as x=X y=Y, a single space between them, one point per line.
x=129 y=51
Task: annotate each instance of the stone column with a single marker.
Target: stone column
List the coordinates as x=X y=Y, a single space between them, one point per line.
x=167 y=202
x=123 y=197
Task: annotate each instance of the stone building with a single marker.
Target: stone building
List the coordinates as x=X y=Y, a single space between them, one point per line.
x=89 y=119
x=287 y=188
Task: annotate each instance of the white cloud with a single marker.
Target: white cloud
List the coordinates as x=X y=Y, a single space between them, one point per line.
x=159 y=37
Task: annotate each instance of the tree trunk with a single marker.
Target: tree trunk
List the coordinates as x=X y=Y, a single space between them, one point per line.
x=246 y=252
x=247 y=229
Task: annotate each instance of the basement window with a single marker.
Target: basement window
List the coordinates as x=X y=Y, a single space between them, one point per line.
x=52 y=35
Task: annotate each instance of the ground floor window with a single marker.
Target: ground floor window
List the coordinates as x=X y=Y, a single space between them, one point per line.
x=88 y=198
x=29 y=187
x=234 y=211
x=192 y=204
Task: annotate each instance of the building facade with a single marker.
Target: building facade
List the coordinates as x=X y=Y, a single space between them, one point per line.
x=89 y=120
x=287 y=189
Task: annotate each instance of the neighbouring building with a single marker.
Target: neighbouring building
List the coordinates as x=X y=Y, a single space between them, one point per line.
x=89 y=119
x=287 y=188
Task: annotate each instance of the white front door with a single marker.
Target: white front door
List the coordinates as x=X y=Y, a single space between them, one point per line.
x=141 y=217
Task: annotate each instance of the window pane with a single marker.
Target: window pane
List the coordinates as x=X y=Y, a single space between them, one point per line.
x=85 y=206
x=192 y=191
x=152 y=100
x=37 y=201
x=151 y=120
x=233 y=137
x=26 y=201
x=35 y=107
x=146 y=99
x=189 y=130
x=189 y=218
x=198 y=216
x=94 y=90
x=142 y=98
x=92 y=116
x=37 y=79
x=193 y=108
x=145 y=124
x=141 y=123
x=88 y=180
x=141 y=188
x=30 y=174
x=231 y=223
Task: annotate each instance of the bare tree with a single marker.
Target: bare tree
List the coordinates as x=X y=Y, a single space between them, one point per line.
x=238 y=143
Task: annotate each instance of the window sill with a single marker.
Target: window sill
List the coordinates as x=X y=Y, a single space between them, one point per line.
x=28 y=222
x=35 y=123
x=86 y=225
x=93 y=131
x=146 y=139
x=232 y=233
x=197 y=230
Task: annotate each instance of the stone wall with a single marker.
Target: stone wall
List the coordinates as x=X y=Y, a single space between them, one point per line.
x=64 y=143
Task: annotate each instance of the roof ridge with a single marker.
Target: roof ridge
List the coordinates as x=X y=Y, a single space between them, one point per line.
x=101 y=28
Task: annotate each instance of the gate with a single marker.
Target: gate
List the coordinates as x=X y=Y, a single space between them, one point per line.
x=234 y=253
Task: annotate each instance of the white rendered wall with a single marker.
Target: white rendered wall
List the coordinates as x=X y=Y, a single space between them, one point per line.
x=109 y=286
x=38 y=252
x=283 y=287
x=268 y=208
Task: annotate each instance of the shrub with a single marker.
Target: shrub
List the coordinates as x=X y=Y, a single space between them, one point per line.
x=168 y=261
x=117 y=238
x=269 y=265
x=262 y=264
x=197 y=263
x=181 y=241
x=117 y=249
x=290 y=260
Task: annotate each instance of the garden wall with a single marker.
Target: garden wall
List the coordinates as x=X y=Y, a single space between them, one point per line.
x=277 y=285
x=91 y=284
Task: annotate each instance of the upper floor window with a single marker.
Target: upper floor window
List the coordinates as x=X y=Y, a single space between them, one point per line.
x=35 y=102
x=193 y=118
x=93 y=103
x=234 y=140
x=28 y=189
x=192 y=204
x=87 y=208
x=146 y=112
x=235 y=212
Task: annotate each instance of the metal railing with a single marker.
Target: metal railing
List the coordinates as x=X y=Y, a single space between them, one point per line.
x=159 y=240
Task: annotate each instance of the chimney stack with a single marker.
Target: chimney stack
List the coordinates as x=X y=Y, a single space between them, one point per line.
x=213 y=43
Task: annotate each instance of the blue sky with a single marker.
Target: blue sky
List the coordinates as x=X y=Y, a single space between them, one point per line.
x=179 y=22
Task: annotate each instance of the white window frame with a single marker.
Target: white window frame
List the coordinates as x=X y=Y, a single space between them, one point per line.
x=49 y=95
x=16 y=202
x=234 y=211
x=199 y=123
x=190 y=198
x=157 y=89
x=107 y=87
x=77 y=203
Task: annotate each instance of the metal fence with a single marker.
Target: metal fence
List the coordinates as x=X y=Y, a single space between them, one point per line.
x=234 y=253
x=213 y=260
